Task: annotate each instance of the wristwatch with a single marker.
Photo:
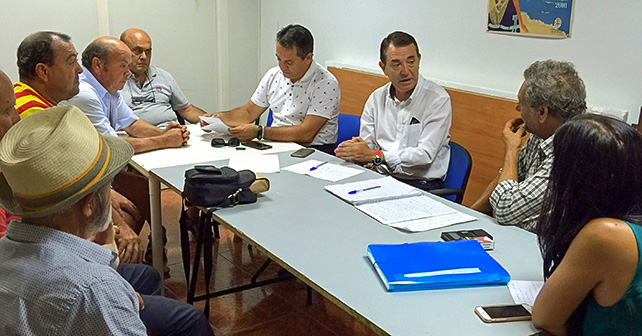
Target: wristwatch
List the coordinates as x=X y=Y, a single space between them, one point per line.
x=378 y=158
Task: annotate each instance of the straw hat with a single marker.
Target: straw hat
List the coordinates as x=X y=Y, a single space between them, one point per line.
x=53 y=158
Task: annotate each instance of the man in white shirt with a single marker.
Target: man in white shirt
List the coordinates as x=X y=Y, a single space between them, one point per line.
x=106 y=68
x=405 y=124
x=303 y=96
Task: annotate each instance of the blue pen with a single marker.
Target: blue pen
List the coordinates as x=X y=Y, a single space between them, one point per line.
x=317 y=166
x=360 y=190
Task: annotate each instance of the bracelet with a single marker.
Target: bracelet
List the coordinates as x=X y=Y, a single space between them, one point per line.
x=259 y=133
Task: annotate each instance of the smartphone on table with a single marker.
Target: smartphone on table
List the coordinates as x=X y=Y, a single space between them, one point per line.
x=256 y=145
x=504 y=313
x=302 y=152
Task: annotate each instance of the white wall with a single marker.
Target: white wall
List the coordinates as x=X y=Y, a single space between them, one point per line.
x=76 y=18
x=183 y=41
x=243 y=32
x=183 y=35
x=456 y=49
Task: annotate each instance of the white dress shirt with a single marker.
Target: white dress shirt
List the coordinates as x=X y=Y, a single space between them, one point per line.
x=413 y=134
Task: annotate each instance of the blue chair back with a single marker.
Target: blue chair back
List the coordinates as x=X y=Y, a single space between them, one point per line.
x=179 y=118
x=270 y=118
x=458 y=173
x=348 y=127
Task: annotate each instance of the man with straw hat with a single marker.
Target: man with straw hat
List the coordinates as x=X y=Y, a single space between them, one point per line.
x=56 y=278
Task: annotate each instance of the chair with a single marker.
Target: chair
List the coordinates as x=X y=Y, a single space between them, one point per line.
x=179 y=118
x=456 y=180
x=348 y=127
x=270 y=118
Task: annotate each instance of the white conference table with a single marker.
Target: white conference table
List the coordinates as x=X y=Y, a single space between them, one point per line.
x=197 y=150
x=322 y=241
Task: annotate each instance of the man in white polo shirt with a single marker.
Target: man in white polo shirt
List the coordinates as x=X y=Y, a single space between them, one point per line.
x=303 y=96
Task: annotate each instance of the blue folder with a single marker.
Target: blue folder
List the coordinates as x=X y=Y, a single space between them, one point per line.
x=431 y=265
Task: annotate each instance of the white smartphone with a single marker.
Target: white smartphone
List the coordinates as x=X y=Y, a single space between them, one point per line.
x=504 y=313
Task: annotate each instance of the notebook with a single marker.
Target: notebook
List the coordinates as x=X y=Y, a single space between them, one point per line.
x=375 y=190
x=397 y=204
x=432 y=265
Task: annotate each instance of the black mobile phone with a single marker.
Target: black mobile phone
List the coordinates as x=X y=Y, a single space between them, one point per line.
x=504 y=313
x=256 y=145
x=302 y=152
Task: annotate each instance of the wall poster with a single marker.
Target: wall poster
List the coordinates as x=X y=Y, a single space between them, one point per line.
x=542 y=18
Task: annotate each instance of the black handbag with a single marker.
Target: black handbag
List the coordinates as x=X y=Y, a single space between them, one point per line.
x=210 y=187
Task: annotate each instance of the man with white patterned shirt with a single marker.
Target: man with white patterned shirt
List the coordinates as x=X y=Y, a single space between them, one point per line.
x=551 y=94
x=302 y=95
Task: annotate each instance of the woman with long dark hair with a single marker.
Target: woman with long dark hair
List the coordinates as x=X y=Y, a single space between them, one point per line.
x=589 y=231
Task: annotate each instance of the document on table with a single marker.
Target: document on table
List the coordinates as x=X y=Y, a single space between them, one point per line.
x=323 y=170
x=373 y=190
x=525 y=291
x=260 y=164
x=214 y=124
x=417 y=213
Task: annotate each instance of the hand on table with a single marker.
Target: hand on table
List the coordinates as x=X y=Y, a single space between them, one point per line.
x=355 y=150
x=174 y=125
x=245 y=132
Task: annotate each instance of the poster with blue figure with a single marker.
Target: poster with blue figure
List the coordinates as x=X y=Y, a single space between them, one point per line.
x=544 y=18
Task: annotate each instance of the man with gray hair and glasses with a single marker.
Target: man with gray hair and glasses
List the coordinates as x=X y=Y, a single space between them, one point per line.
x=551 y=94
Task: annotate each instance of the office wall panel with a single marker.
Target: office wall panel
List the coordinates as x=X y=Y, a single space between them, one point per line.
x=457 y=50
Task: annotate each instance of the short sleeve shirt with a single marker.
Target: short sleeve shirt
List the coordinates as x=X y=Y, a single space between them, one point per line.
x=108 y=112
x=316 y=93
x=157 y=99
x=55 y=283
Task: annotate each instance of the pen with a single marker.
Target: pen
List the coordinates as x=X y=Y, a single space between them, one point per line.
x=364 y=189
x=317 y=166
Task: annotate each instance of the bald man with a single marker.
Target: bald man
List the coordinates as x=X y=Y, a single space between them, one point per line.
x=151 y=92
x=105 y=69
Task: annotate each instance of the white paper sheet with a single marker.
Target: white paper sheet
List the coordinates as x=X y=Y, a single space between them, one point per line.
x=525 y=291
x=328 y=171
x=259 y=164
x=214 y=124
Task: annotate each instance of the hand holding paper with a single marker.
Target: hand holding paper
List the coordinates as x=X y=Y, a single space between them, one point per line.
x=214 y=124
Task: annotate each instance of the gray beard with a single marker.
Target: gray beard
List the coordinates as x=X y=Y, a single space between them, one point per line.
x=97 y=225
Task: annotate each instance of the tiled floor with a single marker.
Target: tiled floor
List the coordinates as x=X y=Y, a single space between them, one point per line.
x=276 y=309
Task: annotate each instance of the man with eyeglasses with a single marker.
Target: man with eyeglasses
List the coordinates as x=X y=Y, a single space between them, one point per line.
x=405 y=124
x=151 y=92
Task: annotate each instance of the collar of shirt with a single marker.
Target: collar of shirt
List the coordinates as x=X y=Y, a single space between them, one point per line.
x=307 y=76
x=90 y=251
x=149 y=77
x=391 y=91
x=89 y=78
x=546 y=146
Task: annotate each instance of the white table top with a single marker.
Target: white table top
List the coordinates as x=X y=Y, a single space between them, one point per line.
x=198 y=150
x=322 y=240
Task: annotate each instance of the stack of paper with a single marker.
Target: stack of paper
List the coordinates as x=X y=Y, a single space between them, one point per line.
x=430 y=265
x=397 y=204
